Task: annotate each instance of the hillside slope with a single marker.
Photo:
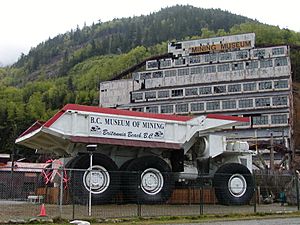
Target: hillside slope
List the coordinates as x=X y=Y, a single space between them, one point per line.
x=69 y=67
x=58 y=55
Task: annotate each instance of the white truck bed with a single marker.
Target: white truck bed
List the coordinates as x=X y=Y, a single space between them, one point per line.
x=94 y=125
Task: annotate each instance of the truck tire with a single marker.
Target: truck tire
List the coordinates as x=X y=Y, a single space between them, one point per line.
x=233 y=184
x=105 y=180
x=148 y=180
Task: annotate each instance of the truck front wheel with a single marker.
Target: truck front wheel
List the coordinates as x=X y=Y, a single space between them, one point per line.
x=103 y=180
x=148 y=180
x=233 y=184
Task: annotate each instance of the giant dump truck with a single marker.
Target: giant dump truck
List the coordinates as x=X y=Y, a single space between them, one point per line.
x=155 y=151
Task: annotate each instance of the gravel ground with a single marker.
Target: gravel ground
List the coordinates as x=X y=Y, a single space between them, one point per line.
x=281 y=221
x=24 y=210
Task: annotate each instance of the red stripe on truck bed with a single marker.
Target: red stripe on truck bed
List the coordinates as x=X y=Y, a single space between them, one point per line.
x=33 y=127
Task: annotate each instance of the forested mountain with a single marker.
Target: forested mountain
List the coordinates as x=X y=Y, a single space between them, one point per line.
x=121 y=35
x=69 y=67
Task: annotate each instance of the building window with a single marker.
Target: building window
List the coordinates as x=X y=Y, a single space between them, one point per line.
x=170 y=73
x=197 y=106
x=177 y=92
x=251 y=64
x=179 y=62
x=210 y=58
x=209 y=69
x=280 y=100
x=281 y=62
x=167 y=109
x=262 y=102
x=152 y=109
x=182 y=72
x=135 y=76
x=225 y=56
x=196 y=70
x=266 y=63
x=249 y=87
x=230 y=104
x=260 y=120
x=204 y=90
x=165 y=63
x=150 y=94
x=213 y=105
x=279 y=84
x=266 y=85
x=279 y=119
x=194 y=59
x=181 y=107
x=278 y=51
x=157 y=74
x=137 y=96
x=237 y=66
x=220 y=89
x=163 y=94
x=152 y=64
x=242 y=54
x=234 y=88
x=246 y=103
x=223 y=67
x=259 y=53
x=191 y=91
x=145 y=75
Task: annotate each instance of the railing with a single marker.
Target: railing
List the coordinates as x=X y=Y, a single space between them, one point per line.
x=23 y=193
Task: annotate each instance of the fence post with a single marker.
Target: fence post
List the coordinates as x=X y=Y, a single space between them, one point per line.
x=61 y=190
x=201 y=199
x=11 y=194
x=297 y=191
x=255 y=193
x=73 y=191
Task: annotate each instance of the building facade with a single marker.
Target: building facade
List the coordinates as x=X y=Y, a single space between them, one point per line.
x=222 y=75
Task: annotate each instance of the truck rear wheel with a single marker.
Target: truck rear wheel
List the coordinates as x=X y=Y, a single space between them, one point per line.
x=233 y=184
x=148 y=180
x=104 y=180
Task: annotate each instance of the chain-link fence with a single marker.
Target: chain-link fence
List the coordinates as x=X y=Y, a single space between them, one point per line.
x=76 y=193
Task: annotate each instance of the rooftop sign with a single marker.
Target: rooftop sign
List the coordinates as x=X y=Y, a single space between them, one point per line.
x=214 y=44
x=220 y=47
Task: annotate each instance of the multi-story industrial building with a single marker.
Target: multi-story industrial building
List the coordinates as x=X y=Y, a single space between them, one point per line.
x=221 y=75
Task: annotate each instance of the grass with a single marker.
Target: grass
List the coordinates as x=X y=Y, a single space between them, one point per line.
x=181 y=219
x=197 y=219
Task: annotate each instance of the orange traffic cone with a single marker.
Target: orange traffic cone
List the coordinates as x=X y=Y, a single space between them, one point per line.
x=43 y=210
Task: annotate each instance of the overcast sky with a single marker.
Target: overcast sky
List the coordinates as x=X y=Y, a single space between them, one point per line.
x=26 y=23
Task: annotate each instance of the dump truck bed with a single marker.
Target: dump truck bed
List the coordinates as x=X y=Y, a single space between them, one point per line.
x=88 y=124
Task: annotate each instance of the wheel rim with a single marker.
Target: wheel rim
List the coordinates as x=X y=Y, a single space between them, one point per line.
x=152 y=181
x=98 y=178
x=237 y=185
